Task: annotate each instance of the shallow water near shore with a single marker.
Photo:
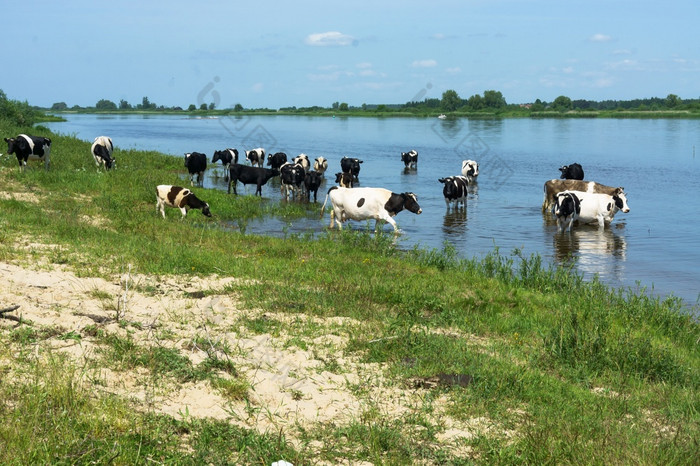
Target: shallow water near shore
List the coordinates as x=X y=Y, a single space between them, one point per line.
x=655 y=246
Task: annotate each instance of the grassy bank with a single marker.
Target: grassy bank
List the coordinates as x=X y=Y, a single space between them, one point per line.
x=503 y=361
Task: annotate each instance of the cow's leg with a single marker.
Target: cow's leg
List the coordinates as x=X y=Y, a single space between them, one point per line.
x=184 y=212
x=160 y=207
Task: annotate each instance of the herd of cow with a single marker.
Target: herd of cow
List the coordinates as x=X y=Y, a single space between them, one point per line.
x=569 y=198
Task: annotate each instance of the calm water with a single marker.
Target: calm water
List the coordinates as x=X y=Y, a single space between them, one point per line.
x=656 y=245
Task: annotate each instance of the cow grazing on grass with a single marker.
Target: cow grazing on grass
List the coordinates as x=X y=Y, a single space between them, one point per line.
x=368 y=203
x=291 y=180
x=249 y=175
x=102 y=152
x=455 y=190
x=598 y=207
x=410 y=159
x=227 y=157
x=351 y=166
x=256 y=157
x=321 y=165
x=196 y=163
x=276 y=160
x=312 y=181
x=178 y=197
x=552 y=187
x=571 y=172
x=29 y=148
x=567 y=208
x=470 y=169
x=344 y=180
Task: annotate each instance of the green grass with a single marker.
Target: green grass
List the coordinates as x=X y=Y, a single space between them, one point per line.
x=566 y=371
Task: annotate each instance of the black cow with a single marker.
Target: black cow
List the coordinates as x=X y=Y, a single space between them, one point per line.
x=455 y=190
x=29 y=147
x=410 y=159
x=102 y=152
x=256 y=157
x=291 y=180
x=571 y=172
x=249 y=175
x=312 y=181
x=567 y=208
x=343 y=180
x=196 y=163
x=351 y=165
x=276 y=160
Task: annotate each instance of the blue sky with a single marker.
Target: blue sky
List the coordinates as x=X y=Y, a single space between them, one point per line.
x=275 y=54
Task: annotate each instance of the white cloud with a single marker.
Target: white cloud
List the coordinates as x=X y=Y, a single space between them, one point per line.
x=454 y=70
x=600 y=38
x=331 y=38
x=257 y=87
x=424 y=63
x=568 y=70
x=439 y=36
x=364 y=65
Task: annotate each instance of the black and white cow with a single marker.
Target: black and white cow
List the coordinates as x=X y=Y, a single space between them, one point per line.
x=227 y=157
x=352 y=166
x=178 y=197
x=410 y=159
x=571 y=172
x=102 y=152
x=303 y=160
x=312 y=181
x=470 y=169
x=344 y=180
x=455 y=190
x=291 y=180
x=256 y=157
x=249 y=175
x=30 y=148
x=567 y=208
x=598 y=207
x=321 y=165
x=552 y=187
x=368 y=203
x=276 y=160
x=196 y=163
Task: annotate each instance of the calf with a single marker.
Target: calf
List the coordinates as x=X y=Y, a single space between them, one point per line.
x=321 y=165
x=352 y=166
x=29 y=148
x=455 y=190
x=368 y=203
x=196 y=163
x=227 y=157
x=552 y=187
x=410 y=159
x=256 y=157
x=249 y=175
x=470 y=169
x=566 y=209
x=102 y=152
x=312 y=181
x=344 y=180
x=291 y=180
x=598 y=207
x=571 y=172
x=276 y=160
x=181 y=198
x=303 y=160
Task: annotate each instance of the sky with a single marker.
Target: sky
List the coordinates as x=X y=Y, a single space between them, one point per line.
x=274 y=54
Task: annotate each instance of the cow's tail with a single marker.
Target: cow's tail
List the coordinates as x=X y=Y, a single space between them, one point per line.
x=323 y=207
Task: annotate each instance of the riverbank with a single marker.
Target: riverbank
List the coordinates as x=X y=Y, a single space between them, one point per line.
x=181 y=341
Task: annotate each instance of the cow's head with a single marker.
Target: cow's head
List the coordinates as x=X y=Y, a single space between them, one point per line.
x=620 y=199
x=206 y=211
x=398 y=202
x=470 y=168
x=218 y=155
x=15 y=145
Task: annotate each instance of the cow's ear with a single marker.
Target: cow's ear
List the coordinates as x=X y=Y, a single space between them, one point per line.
x=8 y=140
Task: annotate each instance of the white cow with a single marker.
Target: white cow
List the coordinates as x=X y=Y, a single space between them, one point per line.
x=102 y=150
x=470 y=169
x=368 y=203
x=321 y=165
x=599 y=207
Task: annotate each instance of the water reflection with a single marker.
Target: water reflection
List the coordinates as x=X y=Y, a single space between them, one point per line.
x=595 y=251
x=454 y=222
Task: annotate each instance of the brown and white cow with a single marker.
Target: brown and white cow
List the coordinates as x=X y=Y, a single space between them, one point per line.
x=368 y=203
x=553 y=187
x=178 y=197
